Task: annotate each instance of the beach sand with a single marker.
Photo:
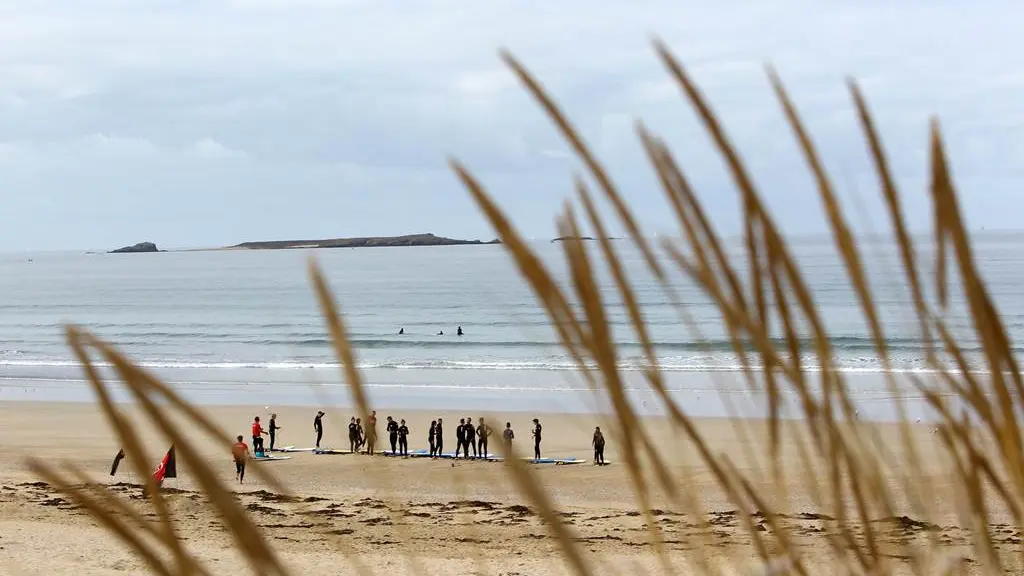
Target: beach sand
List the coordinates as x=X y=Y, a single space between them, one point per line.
x=415 y=516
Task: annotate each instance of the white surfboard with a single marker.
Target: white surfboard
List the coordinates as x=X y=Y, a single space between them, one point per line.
x=293 y=449
x=271 y=458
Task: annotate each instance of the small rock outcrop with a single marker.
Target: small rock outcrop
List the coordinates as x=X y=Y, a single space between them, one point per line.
x=140 y=247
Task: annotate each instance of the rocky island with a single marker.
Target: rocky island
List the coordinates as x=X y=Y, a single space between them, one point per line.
x=366 y=242
x=140 y=247
x=584 y=238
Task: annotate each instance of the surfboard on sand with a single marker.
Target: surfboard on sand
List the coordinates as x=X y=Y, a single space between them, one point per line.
x=567 y=461
x=330 y=451
x=293 y=449
x=265 y=458
x=605 y=463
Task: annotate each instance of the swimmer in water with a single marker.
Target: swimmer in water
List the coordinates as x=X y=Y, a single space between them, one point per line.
x=459 y=331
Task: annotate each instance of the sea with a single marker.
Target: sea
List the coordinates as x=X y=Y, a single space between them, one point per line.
x=244 y=327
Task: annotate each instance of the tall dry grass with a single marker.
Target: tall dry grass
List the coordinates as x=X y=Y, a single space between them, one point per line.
x=843 y=466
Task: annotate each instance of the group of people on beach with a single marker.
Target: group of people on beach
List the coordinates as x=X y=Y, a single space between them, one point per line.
x=468 y=437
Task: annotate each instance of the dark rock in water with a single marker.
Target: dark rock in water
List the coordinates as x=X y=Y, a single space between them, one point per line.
x=140 y=247
x=365 y=242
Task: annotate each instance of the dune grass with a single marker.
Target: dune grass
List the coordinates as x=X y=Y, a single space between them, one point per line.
x=844 y=466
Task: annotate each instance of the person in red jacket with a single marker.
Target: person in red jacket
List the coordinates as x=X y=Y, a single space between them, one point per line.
x=257 y=436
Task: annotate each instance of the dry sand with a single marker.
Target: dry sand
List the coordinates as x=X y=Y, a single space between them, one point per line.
x=448 y=517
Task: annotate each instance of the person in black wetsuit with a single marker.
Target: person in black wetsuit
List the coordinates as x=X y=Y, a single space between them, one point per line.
x=432 y=436
x=439 y=437
x=403 y=439
x=508 y=435
x=470 y=437
x=483 y=432
x=360 y=440
x=318 y=426
x=536 y=439
x=598 y=443
x=459 y=331
x=460 y=437
x=401 y=331
x=273 y=428
x=353 y=435
x=392 y=429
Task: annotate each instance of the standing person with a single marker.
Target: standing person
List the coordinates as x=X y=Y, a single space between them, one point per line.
x=318 y=426
x=273 y=428
x=508 y=435
x=460 y=437
x=353 y=435
x=432 y=437
x=536 y=439
x=470 y=437
x=403 y=439
x=598 y=443
x=483 y=432
x=239 y=453
x=360 y=437
x=439 y=437
x=371 y=432
x=257 y=435
x=392 y=429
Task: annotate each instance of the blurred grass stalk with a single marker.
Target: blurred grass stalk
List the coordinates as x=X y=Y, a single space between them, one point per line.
x=844 y=466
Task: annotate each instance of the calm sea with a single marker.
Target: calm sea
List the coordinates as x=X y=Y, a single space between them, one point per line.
x=243 y=326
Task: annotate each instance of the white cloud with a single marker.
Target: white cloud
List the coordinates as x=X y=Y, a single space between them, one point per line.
x=212 y=150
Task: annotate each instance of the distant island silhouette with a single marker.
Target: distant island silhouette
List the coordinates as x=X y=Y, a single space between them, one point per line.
x=363 y=242
x=564 y=238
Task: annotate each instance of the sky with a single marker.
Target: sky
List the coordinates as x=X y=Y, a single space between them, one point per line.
x=207 y=123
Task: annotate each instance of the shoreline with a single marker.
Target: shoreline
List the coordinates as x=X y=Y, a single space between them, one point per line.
x=700 y=394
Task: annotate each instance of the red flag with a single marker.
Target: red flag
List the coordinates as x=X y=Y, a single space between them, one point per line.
x=168 y=468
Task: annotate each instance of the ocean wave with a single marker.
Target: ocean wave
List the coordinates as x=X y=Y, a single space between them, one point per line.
x=705 y=365
x=840 y=344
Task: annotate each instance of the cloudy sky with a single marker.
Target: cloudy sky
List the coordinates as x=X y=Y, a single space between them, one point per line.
x=201 y=123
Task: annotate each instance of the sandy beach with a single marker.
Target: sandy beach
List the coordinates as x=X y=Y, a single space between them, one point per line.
x=448 y=517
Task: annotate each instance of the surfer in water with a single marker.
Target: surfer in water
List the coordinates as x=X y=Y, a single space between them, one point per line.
x=508 y=435
x=470 y=437
x=431 y=437
x=318 y=426
x=536 y=439
x=353 y=435
x=273 y=428
x=401 y=331
x=598 y=443
x=459 y=331
x=239 y=453
x=257 y=435
x=403 y=439
x=392 y=429
x=440 y=333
